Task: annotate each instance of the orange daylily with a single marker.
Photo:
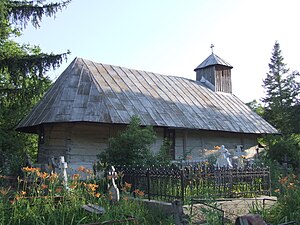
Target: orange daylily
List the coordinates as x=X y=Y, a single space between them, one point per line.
x=291 y=186
x=58 y=190
x=97 y=195
x=44 y=186
x=139 y=192
x=283 y=180
x=75 y=176
x=91 y=187
x=31 y=169
x=81 y=169
x=42 y=175
x=53 y=176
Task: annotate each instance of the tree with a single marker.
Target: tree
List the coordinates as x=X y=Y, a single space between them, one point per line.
x=281 y=108
x=282 y=93
x=131 y=146
x=22 y=75
x=256 y=106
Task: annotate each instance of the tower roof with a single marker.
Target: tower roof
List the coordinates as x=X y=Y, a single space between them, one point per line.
x=211 y=60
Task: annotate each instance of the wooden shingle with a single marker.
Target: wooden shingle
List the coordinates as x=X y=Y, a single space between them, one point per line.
x=93 y=92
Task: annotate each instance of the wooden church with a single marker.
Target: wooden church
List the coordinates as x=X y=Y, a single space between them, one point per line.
x=91 y=102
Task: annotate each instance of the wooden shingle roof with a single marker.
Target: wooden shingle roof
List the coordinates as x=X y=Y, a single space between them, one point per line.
x=212 y=60
x=94 y=92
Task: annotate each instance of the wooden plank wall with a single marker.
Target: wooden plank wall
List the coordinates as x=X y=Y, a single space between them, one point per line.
x=54 y=142
x=199 y=144
x=223 y=79
x=87 y=141
x=82 y=142
x=208 y=73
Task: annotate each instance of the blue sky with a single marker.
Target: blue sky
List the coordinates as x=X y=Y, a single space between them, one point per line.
x=173 y=37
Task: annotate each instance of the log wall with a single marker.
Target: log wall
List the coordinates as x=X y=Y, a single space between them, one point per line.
x=80 y=143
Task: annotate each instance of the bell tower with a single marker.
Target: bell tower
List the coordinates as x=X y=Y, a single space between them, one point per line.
x=215 y=73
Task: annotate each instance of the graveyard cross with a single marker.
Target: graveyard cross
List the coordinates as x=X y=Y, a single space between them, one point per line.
x=223 y=159
x=239 y=155
x=64 y=166
x=113 y=190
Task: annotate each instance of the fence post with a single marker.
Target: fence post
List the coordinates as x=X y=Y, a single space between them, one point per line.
x=182 y=184
x=133 y=175
x=148 y=183
x=230 y=181
x=269 y=180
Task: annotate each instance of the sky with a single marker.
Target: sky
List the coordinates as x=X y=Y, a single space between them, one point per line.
x=173 y=37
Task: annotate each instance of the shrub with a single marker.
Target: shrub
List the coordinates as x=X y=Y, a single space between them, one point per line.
x=130 y=147
x=287 y=207
x=286 y=149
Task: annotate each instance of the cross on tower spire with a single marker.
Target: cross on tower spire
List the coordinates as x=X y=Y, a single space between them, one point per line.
x=212 y=46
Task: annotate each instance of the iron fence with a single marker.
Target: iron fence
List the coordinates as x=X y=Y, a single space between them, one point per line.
x=169 y=183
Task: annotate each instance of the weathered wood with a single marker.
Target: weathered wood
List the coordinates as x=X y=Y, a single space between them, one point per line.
x=82 y=142
x=94 y=209
x=94 y=92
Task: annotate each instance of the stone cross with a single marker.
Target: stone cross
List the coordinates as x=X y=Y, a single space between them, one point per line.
x=113 y=190
x=223 y=159
x=239 y=156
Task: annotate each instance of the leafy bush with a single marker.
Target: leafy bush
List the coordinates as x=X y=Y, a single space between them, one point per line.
x=130 y=147
x=287 y=207
x=286 y=149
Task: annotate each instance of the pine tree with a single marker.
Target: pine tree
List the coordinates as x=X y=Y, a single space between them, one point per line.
x=14 y=18
x=22 y=75
x=282 y=92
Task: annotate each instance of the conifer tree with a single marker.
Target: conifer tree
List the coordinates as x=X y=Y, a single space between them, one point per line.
x=282 y=92
x=22 y=74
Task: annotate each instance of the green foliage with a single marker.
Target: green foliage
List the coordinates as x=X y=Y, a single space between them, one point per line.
x=288 y=203
x=256 y=107
x=286 y=149
x=211 y=214
x=163 y=157
x=286 y=187
x=130 y=147
x=20 y=12
x=282 y=93
x=22 y=77
x=41 y=198
x=295 y=120
x=287 y=207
